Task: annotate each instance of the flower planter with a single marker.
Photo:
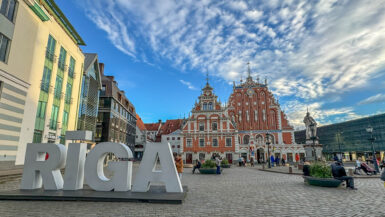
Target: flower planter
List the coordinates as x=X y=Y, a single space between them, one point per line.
x=226 y=166
x=323 y=182
x=208 y=170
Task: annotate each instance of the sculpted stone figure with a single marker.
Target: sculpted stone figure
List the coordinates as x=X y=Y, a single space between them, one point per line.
x=309 y=122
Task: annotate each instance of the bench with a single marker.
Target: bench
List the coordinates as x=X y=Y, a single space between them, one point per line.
x=322 y=182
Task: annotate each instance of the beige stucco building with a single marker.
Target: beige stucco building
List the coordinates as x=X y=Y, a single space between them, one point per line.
x=40 y=75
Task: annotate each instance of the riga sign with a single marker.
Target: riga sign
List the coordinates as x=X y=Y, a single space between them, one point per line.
x=80 y=168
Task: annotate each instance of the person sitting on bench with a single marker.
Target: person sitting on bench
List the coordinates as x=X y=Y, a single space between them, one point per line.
x=339 y=173
x=197 y=166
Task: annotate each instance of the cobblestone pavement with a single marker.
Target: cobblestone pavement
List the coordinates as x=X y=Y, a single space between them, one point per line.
x=237 y=192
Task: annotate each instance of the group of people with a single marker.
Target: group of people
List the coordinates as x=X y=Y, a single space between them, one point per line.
x=276 y=161
x=218 y=161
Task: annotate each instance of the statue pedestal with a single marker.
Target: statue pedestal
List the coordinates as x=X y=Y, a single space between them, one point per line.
x=309 y=150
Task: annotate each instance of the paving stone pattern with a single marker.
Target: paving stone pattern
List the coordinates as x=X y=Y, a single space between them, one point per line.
x=237 y=192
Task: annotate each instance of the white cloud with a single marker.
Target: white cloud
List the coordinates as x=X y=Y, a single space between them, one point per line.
x=188 y=84
x=254 y=14
x=307 y=50
x=373 y=99
x=296 y=112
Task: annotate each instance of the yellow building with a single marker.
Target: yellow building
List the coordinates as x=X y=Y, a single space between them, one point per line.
x=40 y=75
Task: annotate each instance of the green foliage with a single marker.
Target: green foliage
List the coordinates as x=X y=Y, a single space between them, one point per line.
x=320 y=170
x=209 y=164
x=225 y=162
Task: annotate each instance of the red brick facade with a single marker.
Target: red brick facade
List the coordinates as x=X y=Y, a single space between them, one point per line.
x=208 y=130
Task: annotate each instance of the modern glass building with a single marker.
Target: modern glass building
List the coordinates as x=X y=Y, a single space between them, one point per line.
x=350 y=138
x=89 y=97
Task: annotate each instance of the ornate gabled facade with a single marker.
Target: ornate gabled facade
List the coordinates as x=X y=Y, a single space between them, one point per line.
x=209 y=130
x=255 y=112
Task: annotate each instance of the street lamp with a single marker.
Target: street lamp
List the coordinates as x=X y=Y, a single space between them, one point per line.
x=268 y=148
x=339 y=143
x=371 y=140
x=313 y=137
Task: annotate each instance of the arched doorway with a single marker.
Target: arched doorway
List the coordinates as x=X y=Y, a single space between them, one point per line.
x=260 y=155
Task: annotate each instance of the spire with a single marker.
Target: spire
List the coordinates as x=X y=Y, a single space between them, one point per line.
x=248 y=69
x=207 y=78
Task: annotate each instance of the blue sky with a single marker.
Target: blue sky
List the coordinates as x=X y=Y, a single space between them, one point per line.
x=326 y=55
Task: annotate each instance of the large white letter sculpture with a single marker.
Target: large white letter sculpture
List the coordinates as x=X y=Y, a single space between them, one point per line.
x=94 y=175
x=147 y=170
x=74 y=172
x=38 y=172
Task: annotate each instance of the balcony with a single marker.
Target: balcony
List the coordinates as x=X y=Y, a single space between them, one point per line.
x=62 y=66
x=50 y=55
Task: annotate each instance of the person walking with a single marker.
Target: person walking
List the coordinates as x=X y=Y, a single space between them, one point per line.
x=277 y=161
x=272 y=160
x=240 y=160
x=197 y=166
x=218 y=161
x=179 y=165
x=252 y=161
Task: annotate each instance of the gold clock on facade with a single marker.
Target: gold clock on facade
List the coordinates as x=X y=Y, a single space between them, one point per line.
x=250 y=92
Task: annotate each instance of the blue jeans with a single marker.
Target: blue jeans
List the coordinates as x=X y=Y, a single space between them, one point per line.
x=218 y=170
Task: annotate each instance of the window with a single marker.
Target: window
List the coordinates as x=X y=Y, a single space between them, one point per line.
x=58 y=87
x=228 y=142
x=103 y=92
x=215 y=142
x=65 y=121
x=4 y=44
x=204 y=106
x=201 y=142
x=62 y=58
x=214 y=126
x=201 y=156
x=188 y=143
x=178 y=137
x=168 y=138
x=71 y=69
x=210 y=107
x=49 y=54
x=173 y=138
x=246 y=139
x=201 y=126
x=46 y=79
x=41 y=106
x=54 y=114
x=68 y=93
x=8 y=9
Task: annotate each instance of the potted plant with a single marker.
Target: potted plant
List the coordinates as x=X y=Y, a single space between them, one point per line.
x=208 y=167
x=225 y=163
x=321 y=175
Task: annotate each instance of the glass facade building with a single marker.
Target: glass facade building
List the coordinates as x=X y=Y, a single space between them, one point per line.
x=89 y=97
x=350 y=137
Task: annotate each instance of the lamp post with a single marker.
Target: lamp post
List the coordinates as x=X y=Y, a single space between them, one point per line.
x=313 y=137
x=268 y=148
x=371 y=139
x=339 y=143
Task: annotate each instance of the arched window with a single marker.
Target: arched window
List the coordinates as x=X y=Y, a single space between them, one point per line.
x=246 y=139
x=273 y=122
x=259 y=139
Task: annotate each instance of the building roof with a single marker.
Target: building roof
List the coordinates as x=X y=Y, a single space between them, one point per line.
x=171 y=126
x=152 y=126
x=55 y=11
x=140 y=123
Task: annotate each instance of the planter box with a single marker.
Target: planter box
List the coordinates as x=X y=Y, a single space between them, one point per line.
x=226 y=166
x=323 y=182
x=208 y=170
